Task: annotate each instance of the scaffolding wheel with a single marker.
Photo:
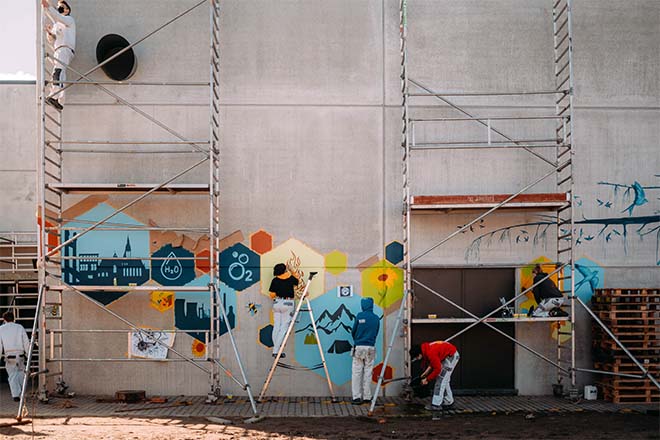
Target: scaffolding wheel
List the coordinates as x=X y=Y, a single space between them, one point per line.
x=214 y=395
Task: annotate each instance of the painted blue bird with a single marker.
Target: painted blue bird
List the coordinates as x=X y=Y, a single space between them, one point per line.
x=640 y=198
x=588 y=276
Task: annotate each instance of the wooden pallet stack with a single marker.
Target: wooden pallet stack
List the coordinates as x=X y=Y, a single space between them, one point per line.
x=633 y=316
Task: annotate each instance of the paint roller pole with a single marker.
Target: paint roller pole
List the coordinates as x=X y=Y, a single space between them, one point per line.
x=286 y=337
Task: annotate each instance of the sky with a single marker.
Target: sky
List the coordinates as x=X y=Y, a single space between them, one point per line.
x=18 y=31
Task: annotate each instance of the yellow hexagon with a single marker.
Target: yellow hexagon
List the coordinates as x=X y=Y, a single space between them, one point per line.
x=162 y=300
x=336 y=262
x=383 y=282
x=300 y=259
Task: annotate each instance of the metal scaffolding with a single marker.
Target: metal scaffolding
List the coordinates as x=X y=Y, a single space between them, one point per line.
x=560 y=202
x=55 y=236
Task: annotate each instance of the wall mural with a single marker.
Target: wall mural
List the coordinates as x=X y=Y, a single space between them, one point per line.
x=138 y=257
x=618 y=222
x=334 y=319
x=589 y=276
x=105 y=258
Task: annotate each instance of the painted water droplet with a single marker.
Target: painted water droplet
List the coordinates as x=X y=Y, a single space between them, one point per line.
x=171 y=268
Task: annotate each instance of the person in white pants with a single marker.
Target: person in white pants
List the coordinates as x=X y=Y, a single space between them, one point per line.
x=365 y=330
x=440 y=358
x=548 y=297
x=62 y=35
x=15 y=344
x=281 y=290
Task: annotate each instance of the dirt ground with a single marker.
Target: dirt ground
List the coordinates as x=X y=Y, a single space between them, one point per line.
x=514 y=426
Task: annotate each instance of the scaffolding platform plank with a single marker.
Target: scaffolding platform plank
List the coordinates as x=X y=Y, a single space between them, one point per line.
x=123 y=188
x=549 y=201
x=489 y=320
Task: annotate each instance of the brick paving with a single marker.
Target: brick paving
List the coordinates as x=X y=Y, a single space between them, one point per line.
x=239 y=407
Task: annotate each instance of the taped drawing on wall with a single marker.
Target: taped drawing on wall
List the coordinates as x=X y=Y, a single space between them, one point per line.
x=151 y=344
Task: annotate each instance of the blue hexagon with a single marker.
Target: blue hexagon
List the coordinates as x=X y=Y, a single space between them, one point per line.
x=589 y=276
x=334 y=319
x=192 y=310
x=177 y=268
x=394 y=252
x=239 y=267
x=266 y=336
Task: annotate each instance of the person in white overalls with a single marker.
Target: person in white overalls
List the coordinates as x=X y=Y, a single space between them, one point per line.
x=282 y=292
x=62 y=35
x=15 y=344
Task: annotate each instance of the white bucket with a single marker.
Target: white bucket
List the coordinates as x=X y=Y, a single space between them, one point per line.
x=590 y=392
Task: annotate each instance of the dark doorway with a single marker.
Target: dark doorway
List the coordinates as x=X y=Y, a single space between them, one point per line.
x=487 y=358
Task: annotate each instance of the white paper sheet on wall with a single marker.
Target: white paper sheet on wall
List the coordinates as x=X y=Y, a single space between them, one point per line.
x=150 y=344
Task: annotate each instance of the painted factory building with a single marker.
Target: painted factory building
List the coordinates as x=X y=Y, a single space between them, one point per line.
x=310 y=174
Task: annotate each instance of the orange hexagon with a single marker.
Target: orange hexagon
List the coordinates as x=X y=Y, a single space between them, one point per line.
x=261 y=241
x=203 y=261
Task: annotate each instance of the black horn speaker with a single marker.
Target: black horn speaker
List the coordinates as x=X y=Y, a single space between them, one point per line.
x=122 y=67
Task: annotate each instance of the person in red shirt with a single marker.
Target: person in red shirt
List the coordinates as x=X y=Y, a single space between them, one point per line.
x=440 y=359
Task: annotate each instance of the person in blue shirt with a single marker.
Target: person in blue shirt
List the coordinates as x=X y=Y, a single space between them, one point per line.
x=365 y=330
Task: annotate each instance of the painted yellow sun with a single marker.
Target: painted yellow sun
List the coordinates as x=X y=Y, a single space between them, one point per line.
x=198 y=348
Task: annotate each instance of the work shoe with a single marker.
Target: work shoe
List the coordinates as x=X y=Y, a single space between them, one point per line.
x=433 y=408
x=356 y=401
x=55 y=103
x=557 y=312
x=446 y=407
x=282 y=356
x=17 y=399
x=530 y=311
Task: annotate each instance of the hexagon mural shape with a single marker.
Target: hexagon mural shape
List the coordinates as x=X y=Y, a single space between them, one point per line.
x=389 y=373
x=266 y=336
x=300 y=259
x=334 y=319
x=261 y=242
x=394 y=252
x=203 y=261
x=239 y=267
x=192 y=310
x=336 y=262
x=175 y=266
x=111 y=257
x=383 y=282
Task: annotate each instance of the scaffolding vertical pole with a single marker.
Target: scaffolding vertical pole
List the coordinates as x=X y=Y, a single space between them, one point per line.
x=214 y=191
x=405 y=144
x=563 y=67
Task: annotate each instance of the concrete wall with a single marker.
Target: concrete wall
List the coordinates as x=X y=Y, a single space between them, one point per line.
x=310 y=148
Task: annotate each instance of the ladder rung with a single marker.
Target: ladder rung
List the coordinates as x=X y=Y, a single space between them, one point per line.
x=562 y=237
x=563 y=166
x=561 y=55
x=556 y=4
x=561 y=251
x=564 y=208
x=561 y=27
x=565 y=333
x=567 y=150
x=561 y=84
x=48 y=202
x=559 y=72
x=565 y=278
x=52 y=176
x=561 y=182
x=52 y=134
x=559 y=14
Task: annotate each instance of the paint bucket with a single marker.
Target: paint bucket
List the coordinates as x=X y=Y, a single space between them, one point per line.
x=590 y=392
x=557 y=390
